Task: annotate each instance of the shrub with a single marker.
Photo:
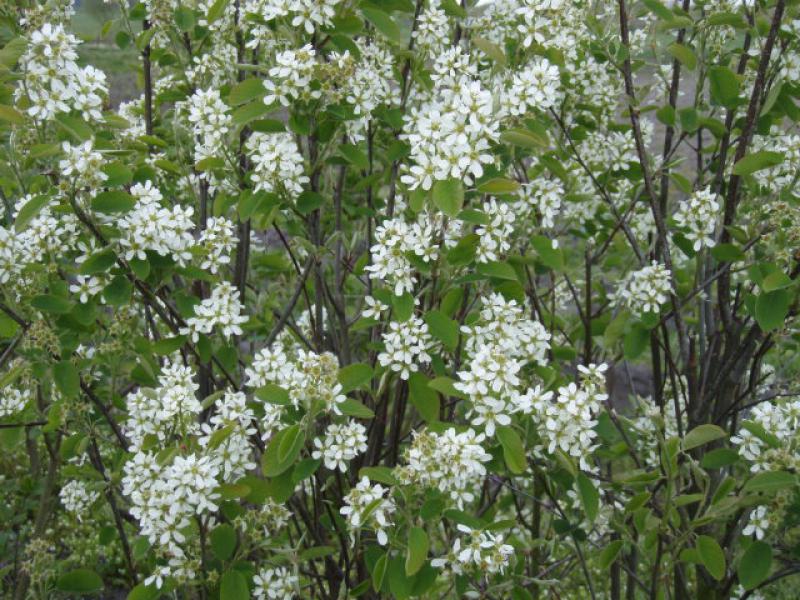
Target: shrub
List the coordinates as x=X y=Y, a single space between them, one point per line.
x=401 y=299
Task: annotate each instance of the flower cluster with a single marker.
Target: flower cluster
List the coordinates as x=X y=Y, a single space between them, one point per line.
x=406 y=345
x=567 y=422
x=275 y=584
x=451 y=462
x=395 y=239
x=166 y=496
x=308 y=377
x=367 y=506
x=151 y=226
x=277 y=164
x=450 y=135
x=778 y=449
x=170 y=409
x=13 y=400
x=495 y=234
x=77 y=498
x=221 y=309
x=54 y=83
x=698 y=215
x=644 y=290
x=342 y=443
x=290 y=78
x=216 y=242
x=481 y=551
x=211 y=122
x=537 y=86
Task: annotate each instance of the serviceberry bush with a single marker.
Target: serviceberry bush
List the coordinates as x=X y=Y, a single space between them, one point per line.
x=401 y=298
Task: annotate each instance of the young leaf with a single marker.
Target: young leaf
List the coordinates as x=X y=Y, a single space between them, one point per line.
x=67 y=379
x=223 y=541
x=772 y=308
x=79 y=581
x=590 y=497
x=755 y=565
x=703 y=434
x=443 y=328
x=448 y=196
x=354 y=376
x=770 y=481
x=756 y=161
x=417 y=550
x=513 y=450
x=711 y=556
x=233 y=586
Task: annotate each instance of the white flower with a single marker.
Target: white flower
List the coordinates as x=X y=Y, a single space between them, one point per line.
x=406 y=346
x=644 y=290
x=698 y=215
x=277 y=583
x=77 y=498
x=758 y=524
x=375 y=308
x=277 y=164
x=342 y=444
x=366 y=506
x=221 y=309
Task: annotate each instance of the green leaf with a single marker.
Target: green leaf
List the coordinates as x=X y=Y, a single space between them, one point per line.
x=291 y=438
x=497 y=270
x=635 y=341
x=711 y=556
x=524 y=138
x=443 y=328
x=383 y=23
x=247 y=90
x=29 y=210
x=184 y=18
x=379 y=572
x=271 y=463
x=118 y=292
x=499 y=186
x=610 y=553
x=770 y=481
x=658 y=9
x=75 y=126
x=719 y=458
x=99 y=262
x=727 y=253
x=12 y=51
x=354 y=155
x=380 y=474
x=755 y=565
x=316 y=552
x=67 y=379
x=490 y=49
x=724 y=86
x=703 y=434
x=354 y=408
x=51 y=304
x=756 y=161
x=113 y=201
x=417 y=550
x=249 y=112
x=233 y=586
x=403 y=307
x=423 y=398
x=308 y=202
x=143 y=592
x=590 y=497
x=513 y=450
x=354 y=376
x=552 y=258
x=772 y=308
x=448 y=196
x=11 y=115
x=80 y=581
x=273 y=394
x=684 y=54
x=217 y=10
x=117 y=173
x=776 y=280
x=223 y=541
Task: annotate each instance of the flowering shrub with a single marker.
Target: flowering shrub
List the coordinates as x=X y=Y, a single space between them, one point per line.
x=402 y=298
